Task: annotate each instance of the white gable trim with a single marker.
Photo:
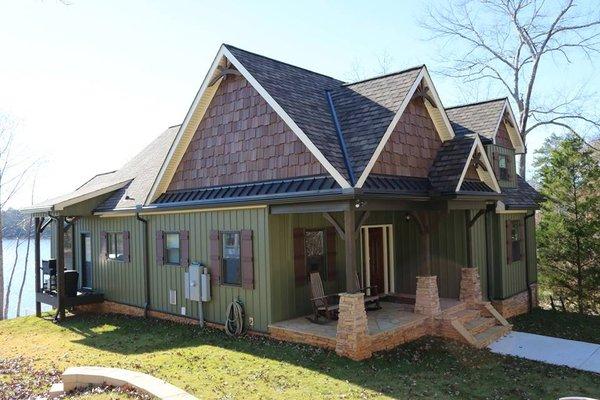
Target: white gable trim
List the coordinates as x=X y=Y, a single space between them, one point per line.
x=445 y=134
x=513 y=133
x=167 y=170
x=486 y=176
x=288 y=120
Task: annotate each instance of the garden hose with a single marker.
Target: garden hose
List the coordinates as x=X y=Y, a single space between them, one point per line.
x=234 y=326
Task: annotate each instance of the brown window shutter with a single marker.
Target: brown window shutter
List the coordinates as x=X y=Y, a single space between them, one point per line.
x=509 y=168
x=508 y=241
x=103 y=245
x=299 y=257
x=184 y=248
x=215 y=257
x=522 y=238
x=247 y=260
x=160 y=247
x=331 y=253
x=126 y=251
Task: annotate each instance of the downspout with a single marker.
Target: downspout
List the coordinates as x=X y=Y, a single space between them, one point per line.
x=527 y=285
x=146 y=260
x=489 y=257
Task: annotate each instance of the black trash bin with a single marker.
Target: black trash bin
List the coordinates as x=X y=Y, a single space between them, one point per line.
x=71 y=280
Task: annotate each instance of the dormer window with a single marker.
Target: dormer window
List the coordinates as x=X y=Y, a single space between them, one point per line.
x=503 y=167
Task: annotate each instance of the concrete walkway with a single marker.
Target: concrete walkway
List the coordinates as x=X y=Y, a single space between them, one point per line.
x=551 y=350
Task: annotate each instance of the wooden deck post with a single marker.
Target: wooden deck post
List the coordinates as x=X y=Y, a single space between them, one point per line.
x=425 y=234
x=60 y=266
x=350 y=243
x=38 y=265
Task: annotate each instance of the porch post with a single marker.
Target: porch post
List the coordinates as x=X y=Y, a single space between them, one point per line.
x=427 y=299
x=350 y=243
x=425 y=267
x=37 y=265
x=60 y=266
x=468 y=238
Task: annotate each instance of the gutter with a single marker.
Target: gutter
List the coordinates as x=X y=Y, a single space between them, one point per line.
x=146 y=261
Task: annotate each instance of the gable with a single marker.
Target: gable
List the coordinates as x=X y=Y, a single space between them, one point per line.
x=412 y=146
x=241 y=139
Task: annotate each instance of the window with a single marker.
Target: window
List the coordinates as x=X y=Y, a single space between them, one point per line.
x=231 y=266
x=314 y=248
x=171 y=243
x=115 y=246
x=515 y=240
x=503 y=167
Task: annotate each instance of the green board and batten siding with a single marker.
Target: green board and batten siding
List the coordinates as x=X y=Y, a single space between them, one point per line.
x=124 y=282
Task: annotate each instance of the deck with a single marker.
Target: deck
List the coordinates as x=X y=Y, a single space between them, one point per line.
x=51 y=298
x=393 y=324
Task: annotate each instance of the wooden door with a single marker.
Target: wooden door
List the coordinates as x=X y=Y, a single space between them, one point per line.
x=376 y=262
x=86 y=260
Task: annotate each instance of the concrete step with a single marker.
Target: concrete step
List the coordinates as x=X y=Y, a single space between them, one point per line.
x=56 y=390
x=490 y=335
x=480 y=324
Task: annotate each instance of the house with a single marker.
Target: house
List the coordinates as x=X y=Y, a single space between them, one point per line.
x=278 y=171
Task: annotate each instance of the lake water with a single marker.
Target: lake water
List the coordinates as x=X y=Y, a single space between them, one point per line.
x=28 y=299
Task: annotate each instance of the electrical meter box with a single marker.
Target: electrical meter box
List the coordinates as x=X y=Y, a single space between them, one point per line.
x=192 y=282
x=197 y=283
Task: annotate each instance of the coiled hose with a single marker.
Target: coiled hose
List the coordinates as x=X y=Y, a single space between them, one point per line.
x=234 y=326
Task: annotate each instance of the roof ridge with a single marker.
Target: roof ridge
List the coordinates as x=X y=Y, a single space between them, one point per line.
x=282 y=62
x=385 y=75
x=478 y=102
x=94 y=177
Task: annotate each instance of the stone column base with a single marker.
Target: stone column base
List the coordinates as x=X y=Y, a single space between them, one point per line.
x=427 y=300
x=470 y=286
x=352 y=337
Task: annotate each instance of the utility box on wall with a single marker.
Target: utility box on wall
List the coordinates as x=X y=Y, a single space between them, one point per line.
x=197 y=283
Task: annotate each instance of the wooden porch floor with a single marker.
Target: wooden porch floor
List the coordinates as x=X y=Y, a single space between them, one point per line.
x=391 y=317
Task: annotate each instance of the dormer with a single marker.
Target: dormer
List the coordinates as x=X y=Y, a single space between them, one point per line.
x=493 y=121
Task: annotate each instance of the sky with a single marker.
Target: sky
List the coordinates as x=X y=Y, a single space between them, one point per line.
x=88 y=84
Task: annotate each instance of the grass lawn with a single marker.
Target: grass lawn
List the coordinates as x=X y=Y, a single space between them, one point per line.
x=559 y=324
x=210 y=365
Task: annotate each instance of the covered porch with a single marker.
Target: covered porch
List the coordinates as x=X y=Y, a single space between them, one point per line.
x=411 y=303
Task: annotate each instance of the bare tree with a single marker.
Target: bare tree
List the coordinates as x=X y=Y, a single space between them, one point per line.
x=13 y=171
x=507 y=42
x=384 y=62
x=12 y=275
x=26 y=263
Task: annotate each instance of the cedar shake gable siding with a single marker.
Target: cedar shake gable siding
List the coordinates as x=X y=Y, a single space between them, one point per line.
x=242 y=139
x=413 y=145
x=502 y=137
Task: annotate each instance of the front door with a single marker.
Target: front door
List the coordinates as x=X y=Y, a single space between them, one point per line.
x=86 y=260
x=376 y=263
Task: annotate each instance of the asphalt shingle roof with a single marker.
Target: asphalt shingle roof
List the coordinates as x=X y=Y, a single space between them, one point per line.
x=449 y=163
x=524 y=196
x=478 y=118
x=366 y=109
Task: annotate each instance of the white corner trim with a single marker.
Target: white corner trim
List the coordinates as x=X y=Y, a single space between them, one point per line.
x=161 y=174
x=288 y=120
x=439 y=104
x=478 y=145
x=389 y=130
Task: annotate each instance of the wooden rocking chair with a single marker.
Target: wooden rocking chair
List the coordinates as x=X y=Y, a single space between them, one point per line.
x=323 y=305
x=372 y=298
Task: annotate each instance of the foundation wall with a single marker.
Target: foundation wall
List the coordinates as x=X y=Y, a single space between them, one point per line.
x=517 y=304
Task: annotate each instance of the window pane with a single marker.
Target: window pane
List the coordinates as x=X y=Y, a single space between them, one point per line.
x=315 y=250
x=231 y=258
x=88 y=249
x=172 y=248
x=110 y=243
x=119 y=245
x=502 y=162
x=172 y=256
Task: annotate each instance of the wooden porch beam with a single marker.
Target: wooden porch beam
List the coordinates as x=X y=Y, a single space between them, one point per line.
x=361 y=221
x=335 y=224
x=350 y=244
x=472 y=221
x=37 y=265
x=44 y=224
x=60 y=268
